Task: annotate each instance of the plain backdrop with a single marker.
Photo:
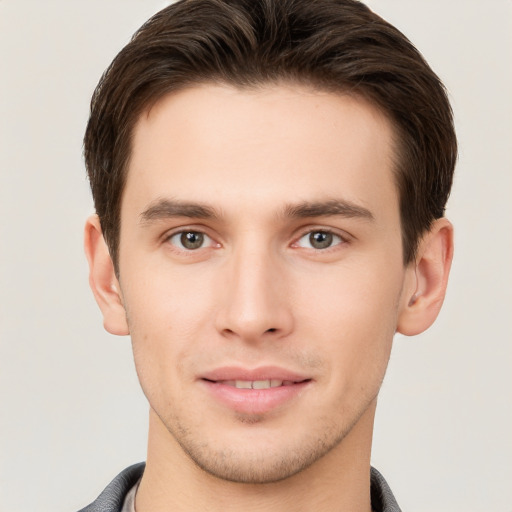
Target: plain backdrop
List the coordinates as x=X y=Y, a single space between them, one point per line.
x=71 y=411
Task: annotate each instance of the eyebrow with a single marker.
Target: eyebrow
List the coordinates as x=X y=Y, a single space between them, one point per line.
x=332 y=207
x=162 y=209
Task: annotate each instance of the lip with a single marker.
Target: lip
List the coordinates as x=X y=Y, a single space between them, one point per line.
x=254 y=401
x=261 y=373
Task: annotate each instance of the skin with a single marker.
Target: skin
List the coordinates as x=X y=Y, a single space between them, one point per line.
x=256 y=174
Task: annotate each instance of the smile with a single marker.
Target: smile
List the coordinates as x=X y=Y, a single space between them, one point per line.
x=257 y=391
x=257 y=384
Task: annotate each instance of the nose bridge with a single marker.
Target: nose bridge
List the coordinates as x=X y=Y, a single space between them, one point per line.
x=255 y=302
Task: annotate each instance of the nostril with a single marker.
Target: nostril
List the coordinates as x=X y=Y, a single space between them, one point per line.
x=273 y=329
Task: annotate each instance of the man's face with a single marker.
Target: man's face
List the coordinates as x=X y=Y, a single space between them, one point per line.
x=261 y=248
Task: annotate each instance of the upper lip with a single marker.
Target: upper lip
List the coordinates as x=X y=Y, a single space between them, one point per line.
x=229 y=373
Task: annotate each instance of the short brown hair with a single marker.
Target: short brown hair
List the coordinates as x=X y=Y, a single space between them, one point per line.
x=332 y=45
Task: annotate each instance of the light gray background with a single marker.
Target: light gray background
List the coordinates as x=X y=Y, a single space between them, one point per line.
x=71 y=412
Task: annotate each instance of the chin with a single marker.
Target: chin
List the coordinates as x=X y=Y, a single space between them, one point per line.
x=254 y=469
x=260 y=461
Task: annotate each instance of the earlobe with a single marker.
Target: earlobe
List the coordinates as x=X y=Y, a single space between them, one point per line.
x=432 y=267
x=102 y=279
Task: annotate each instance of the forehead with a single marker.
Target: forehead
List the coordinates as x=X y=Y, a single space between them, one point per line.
x=261 y=147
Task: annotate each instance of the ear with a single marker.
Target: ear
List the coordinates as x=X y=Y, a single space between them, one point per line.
x=422 y=301
x=103 y=280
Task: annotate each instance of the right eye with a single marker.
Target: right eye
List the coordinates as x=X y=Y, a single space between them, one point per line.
x=190 y=240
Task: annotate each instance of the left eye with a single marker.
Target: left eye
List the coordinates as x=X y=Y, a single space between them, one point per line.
x=190 y=240
x=319 y=240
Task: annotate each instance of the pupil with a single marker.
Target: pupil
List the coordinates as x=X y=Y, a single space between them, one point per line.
x=320 y=240
x=192 y=240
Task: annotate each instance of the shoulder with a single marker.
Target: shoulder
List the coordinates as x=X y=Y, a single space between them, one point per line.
x=382 y=496
x=112 y=498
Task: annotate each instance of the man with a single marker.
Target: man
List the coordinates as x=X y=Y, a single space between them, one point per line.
x=270 y=180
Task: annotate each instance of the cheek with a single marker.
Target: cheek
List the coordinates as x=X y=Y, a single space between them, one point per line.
x=161 y=301
x=356 y=295
x=166 y=318
x=355 y=311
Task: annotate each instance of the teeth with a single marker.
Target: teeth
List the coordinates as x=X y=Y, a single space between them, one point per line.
x=256 y=384
x=261 y=384
x=243 y=384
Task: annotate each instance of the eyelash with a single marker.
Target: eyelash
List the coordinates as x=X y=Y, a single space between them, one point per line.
x=183 y=232
x=334 y=235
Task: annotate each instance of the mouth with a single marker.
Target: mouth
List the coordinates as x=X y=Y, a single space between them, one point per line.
x=257 y=384
x=255 y=391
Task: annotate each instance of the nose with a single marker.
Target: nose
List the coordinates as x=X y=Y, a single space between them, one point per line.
x=256 y=302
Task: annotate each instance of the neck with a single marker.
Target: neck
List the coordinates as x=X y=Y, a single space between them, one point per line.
x=339 y=481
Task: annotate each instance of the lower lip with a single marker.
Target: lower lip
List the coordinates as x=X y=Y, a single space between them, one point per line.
x=255 y=401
